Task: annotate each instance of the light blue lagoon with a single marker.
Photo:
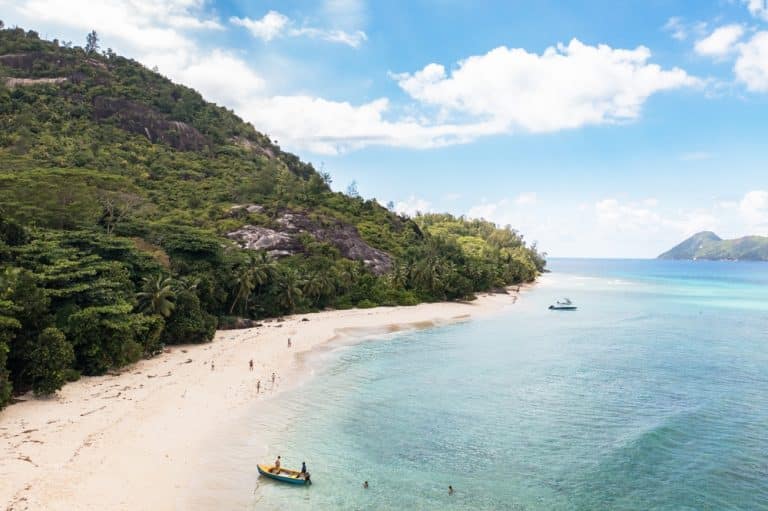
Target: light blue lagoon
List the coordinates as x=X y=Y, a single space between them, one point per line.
x=652 y=396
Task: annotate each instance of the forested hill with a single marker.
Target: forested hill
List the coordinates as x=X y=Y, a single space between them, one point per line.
x=135 y=214
x=708 y=245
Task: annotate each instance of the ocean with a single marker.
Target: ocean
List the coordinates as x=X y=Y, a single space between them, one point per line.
x=653 y=395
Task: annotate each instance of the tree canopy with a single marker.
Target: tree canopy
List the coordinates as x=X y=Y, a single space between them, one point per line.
x=118 y=189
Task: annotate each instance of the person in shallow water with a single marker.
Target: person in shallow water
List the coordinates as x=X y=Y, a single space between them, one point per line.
x=365 y=485
x=450 y=490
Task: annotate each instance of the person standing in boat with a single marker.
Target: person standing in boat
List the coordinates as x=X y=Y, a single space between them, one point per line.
x=276 y=470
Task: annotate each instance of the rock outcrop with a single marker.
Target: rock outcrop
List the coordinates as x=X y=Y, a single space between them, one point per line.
x=283 y=239
x=139 y=118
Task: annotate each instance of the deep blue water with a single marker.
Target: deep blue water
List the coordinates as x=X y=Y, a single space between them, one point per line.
x=652 y=396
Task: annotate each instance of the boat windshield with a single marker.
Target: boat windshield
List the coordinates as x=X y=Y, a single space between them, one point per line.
x=564 y=301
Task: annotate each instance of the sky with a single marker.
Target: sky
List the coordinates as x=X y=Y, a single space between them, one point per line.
x=595 y=128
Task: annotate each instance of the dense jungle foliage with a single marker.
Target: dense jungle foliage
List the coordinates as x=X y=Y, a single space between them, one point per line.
x=117 y=190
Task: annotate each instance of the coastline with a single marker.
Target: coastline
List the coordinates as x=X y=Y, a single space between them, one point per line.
x=131 y=440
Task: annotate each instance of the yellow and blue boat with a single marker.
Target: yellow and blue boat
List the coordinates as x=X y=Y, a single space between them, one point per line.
x=284 y=475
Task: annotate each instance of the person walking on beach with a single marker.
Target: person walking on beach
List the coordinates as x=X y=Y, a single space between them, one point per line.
x=258 y=386
x=273 y=379
x=289 y=342
x=211 y=365
x=250 y=364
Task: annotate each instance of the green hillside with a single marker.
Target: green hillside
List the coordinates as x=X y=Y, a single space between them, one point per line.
x=134 y=214
x=707 y=245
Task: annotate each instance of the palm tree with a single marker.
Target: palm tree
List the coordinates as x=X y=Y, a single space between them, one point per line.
x=186 y=284
x=320 y=284
x=256 y=271
x=398 y=277
x=289 y=289
x=157 y=296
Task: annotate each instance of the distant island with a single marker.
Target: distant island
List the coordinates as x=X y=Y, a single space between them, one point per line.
x=708 y=245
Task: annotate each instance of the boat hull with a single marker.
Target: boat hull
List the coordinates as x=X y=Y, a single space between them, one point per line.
x=562 y=308
x=285 y=476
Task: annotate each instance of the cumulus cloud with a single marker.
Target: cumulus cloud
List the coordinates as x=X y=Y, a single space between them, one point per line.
x=413 y=205
x=633 y=216
x=758 y=8
x=567 y=86
x=133 y=25
x=677 y=28
x=274 y=24
x=721 y=42
x=210 y=73
x=751 y=66
x=266 y=28
x=504 y=91
x=754 y=208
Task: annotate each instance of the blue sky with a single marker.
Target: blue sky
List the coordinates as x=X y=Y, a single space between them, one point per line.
x=597 y=128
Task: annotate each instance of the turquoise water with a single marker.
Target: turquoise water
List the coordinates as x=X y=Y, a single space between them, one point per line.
x=653 y=396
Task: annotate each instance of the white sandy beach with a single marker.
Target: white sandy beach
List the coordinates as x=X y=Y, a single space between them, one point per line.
x=130 y=440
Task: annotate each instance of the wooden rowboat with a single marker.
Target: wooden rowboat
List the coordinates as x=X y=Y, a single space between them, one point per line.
x=285 y=475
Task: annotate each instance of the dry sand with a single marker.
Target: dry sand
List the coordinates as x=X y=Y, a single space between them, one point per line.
x=130 y=440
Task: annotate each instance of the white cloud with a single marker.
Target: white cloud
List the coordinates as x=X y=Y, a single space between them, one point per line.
x=677 y=28
x=132 y=25
x=721 y=42
x=502 y=92
x=218 y=75
x=492 y=211
x=754 y=208
x=631 y=216
x=266 y=28
x=452 y=196
x=275 y=24
x=331 y=127
x=758 y=8
x=413 y=205
x=567 y=86
x=751 y=66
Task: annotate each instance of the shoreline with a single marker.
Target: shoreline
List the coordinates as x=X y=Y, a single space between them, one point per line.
x=131 y=440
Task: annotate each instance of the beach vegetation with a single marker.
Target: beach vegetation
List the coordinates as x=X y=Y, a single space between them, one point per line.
x=120 y=192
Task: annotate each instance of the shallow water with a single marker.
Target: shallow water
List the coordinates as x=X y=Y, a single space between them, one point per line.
x=653 y=395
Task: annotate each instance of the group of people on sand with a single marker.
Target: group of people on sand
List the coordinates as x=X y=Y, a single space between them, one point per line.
x=258 y=382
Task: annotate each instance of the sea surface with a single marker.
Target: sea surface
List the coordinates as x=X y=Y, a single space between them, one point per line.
x=652 y=396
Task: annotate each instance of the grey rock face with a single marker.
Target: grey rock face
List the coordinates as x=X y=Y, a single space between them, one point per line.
x=284 y=242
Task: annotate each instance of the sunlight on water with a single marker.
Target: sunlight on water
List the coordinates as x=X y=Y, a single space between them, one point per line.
x=654 y=395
